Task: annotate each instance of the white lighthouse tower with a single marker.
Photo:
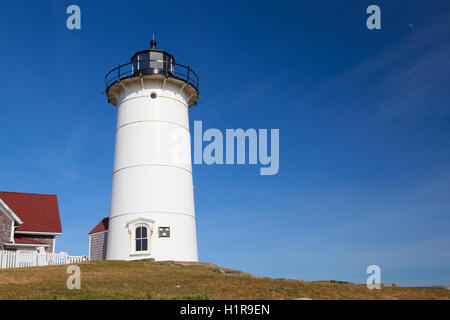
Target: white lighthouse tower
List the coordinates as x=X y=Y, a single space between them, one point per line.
x=152 y=204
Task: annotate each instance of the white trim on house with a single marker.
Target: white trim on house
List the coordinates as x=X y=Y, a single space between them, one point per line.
x=9 y=213
x=39 y=233
x=89 y=253
x=11 y=237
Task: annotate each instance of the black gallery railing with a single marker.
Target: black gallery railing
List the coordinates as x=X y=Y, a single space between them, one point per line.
x=151 y=67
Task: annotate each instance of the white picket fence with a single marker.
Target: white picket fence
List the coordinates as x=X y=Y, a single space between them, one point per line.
x=22 y=259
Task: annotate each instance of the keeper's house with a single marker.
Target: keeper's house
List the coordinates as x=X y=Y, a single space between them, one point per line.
x=28 y=221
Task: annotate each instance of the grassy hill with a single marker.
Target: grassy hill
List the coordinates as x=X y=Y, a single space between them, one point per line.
x=176 y=280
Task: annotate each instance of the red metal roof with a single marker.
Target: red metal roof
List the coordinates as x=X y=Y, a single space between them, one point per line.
x=102 y=226
x=24 y=240
x=39 y=212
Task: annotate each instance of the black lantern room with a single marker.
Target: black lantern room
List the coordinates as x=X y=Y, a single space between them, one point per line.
x=152 y=62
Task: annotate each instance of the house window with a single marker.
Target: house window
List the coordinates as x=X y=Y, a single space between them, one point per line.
x=164 y=232
x=141 y=238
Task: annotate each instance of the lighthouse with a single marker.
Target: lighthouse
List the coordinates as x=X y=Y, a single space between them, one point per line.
x=152 y=211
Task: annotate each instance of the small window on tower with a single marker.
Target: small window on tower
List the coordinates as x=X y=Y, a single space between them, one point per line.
x=164 y=232
x=141 y=239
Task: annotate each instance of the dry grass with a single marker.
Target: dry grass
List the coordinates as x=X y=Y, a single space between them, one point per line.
x=170 y=280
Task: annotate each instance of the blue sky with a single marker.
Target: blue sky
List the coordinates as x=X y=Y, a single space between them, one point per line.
x=364 y=119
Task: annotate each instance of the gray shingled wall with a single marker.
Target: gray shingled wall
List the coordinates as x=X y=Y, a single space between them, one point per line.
x=98 y=245
x=5 y=229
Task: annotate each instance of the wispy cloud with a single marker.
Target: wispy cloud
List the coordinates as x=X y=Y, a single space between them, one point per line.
x=62 y=159
x=406 y=79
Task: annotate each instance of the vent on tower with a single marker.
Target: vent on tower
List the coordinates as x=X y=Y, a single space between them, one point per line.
x=164 y=232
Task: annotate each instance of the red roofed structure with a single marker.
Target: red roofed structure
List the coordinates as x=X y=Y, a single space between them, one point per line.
x=28 y=221
x=102 y=226
x=98 y=240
